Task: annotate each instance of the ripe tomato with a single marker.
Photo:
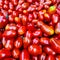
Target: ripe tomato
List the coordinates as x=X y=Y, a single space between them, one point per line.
x=34 y=49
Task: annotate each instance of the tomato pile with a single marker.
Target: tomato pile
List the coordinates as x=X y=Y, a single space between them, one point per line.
x=29 y=29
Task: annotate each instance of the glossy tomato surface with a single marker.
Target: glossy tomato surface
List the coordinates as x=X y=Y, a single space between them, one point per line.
x=29 y=29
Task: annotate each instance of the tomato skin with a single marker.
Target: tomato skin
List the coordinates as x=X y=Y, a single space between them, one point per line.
x=44 y=41
x=11 y=26
x=0 y=35
x=47 y=17
x=15 y=13
x=11 y=18
x=24 y=19
x=37 y=33
x=29 y=34
x=9 y=33
x=25 y=5
x=22 y=30
x=4 y=53
x=14 y=2
x=58 y=57
x=58 y=11
x=18 y=43
x=50 y=57
x=45 y=28
x=34 y=57
x=52 y=9
x=9 y=59
x=5 y=6
x=11 y=6
x=17 y=20
x=16 y=53
x=54 y=1
x=48 y=50
x=42 y=56
x=35 y=41
x=55 y=45
x=30 y=26
x=55 y=18
x=57 y=28
x=34 y=49
x=29 y=29
x=26 y=42
x=24 y=55
x=3 y=21
x=9 y=44
x=30 y=17
x=1 y=45
x=40 y=15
